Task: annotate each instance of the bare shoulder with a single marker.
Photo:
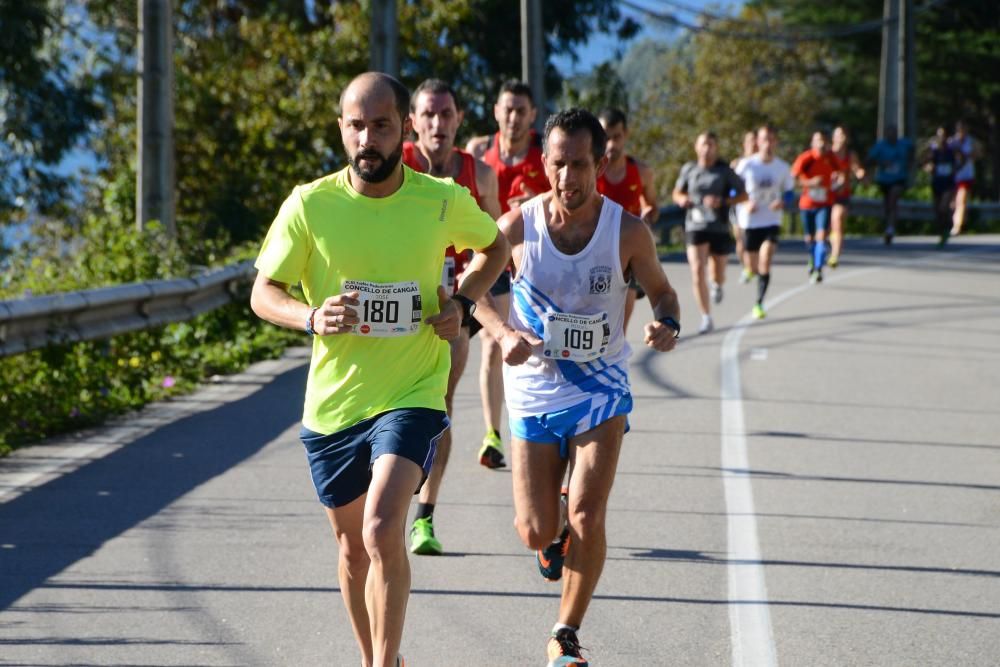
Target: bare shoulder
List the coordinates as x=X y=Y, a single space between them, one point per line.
x=511 y=224
x=477 y=146
x=486 y=178
x=645 y=171
x=635 y=233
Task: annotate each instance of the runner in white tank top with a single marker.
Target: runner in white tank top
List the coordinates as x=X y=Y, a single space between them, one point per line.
x=576 y=305
x=565 y=360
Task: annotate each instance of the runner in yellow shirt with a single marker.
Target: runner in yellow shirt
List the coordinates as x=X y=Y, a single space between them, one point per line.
x=368 y=244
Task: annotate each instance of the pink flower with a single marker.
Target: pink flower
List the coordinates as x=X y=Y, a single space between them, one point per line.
x=169 y=382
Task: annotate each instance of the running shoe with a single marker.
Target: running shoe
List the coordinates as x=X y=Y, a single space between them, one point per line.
x=550 y=559
x=816 y=277
x=564 y=649
x=809 y=265
x=716 y=290
x=422 y=540
x=399 y=661
x=758 y=312
x=491 y=453
x=834 y=261
x=706 y=324
x=746 y=276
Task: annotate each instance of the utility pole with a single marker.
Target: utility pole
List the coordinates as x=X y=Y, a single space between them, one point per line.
x=383 y=55
x=533 y=56
x=155 y=177
x=897 y=80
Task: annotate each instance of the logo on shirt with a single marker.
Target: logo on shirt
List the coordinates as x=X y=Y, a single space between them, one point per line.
x=444 y=209
x=600 y=280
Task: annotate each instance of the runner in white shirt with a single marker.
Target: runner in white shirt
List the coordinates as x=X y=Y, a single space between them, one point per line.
x=565 y=360
x=768 y=179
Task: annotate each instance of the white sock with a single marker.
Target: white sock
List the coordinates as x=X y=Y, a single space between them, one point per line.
x=559 y=626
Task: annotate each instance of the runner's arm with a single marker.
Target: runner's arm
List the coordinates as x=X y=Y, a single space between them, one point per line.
x=271 y=301
x=650 y=209
x=515 y=346
x=639 y=254
x=489 y=189
x=477 y=146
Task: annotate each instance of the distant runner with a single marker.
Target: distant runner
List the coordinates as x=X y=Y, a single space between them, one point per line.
x=436 y=117
x=768 y=178
x=814 y=170
x=892 y=156
x=515 y=154
x=628 y=182
x=965 y=177
x=847 y=165
x=703 y=188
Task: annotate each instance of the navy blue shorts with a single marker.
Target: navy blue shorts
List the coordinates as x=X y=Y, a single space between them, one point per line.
x=341 y=463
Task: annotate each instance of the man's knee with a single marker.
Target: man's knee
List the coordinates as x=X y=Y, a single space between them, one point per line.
x=587 y=521
x=353 y=554
x=534 y=533
x=383 y=539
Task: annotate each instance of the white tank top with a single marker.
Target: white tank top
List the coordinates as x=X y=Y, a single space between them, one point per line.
x=576 y=304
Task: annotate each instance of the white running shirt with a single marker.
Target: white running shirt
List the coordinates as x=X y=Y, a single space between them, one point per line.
x=765 y=182
x=549 y=290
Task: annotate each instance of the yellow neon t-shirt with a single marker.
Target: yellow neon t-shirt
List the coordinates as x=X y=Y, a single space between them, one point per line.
x=326 y=234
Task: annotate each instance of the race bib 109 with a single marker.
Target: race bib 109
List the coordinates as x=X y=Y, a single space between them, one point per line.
x=386 y=309
x=578 y=338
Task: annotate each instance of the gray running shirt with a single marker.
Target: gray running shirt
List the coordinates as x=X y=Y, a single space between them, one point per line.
x=698 y=181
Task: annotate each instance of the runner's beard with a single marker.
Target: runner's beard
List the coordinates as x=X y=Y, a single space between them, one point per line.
x=384 y=170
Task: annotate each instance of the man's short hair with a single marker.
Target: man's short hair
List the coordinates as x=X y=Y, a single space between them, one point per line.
x=770 y=129
x=612 y=117
x=434 y=87
x=709 y=134
x=515 y=87
x=576 y=120
x=399 y=91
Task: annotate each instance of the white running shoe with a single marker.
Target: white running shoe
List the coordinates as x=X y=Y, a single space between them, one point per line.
x=706 y=324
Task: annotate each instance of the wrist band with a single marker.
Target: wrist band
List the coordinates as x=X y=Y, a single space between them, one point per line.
x=672 y=323
x=309 y=322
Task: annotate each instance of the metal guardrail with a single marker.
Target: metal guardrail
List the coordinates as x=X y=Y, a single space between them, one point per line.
x=673 y=216
x=35 y=322
x=27 y=324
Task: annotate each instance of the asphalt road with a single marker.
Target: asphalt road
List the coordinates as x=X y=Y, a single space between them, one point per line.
x=819 y=488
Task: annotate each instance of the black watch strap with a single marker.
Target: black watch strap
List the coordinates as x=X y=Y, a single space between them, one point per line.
x=672 y=323
x=468 y=307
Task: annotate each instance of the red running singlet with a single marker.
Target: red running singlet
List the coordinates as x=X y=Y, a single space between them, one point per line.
x=529 y=172
x=628 y=191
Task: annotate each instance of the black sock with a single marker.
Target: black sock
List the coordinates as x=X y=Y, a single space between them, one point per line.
x=425 y=510
x=762 y=282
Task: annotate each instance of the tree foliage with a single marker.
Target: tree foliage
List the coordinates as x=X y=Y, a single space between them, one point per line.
x=708 y=81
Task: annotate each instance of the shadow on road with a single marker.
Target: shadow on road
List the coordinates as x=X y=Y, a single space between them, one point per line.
x=53 y=526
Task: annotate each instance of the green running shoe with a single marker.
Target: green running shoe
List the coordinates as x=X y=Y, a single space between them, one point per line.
x=758 y=312
x=422 y=540
x=491 y=453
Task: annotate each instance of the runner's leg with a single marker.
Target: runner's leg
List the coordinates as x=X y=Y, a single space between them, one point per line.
x=387 y=590
x=594 y=461
x=352 y=569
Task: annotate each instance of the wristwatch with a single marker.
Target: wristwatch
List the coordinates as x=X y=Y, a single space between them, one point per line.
x=310 y=324
x=468 y=308
x=672 y=323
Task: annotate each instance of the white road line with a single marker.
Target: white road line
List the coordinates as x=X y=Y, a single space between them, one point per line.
x=749 y=617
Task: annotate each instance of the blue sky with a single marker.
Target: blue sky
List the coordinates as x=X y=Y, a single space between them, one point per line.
x=602 y=46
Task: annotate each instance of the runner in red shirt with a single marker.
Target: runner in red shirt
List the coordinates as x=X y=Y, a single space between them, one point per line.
x=436 y=116
x=814 y=170
x=628 y=182
x=515 y=154
x=847 y=165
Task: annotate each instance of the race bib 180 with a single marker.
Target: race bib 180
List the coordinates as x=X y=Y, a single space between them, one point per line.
x=386 y=309
x=577 y=338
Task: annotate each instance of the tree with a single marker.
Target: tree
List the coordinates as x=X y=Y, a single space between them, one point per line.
x=47 y=103
x=957 y=53
x=710 y=81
